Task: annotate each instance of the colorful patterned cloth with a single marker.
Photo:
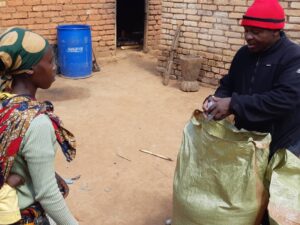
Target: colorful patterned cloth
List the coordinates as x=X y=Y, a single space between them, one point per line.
x=33 y=215
x=16 y=114
x=20 y=49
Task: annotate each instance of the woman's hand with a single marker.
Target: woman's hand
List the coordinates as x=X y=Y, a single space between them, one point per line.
x=63 y=187
x=14 y=180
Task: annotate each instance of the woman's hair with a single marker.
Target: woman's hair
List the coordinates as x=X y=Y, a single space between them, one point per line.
x=20 y=50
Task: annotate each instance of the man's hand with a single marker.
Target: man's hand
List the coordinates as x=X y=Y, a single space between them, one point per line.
x=220 y=108
x=208 y=102
x=63 y=187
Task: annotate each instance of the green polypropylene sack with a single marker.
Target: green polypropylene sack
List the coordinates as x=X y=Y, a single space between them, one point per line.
x=219 y=174
x=283 y=175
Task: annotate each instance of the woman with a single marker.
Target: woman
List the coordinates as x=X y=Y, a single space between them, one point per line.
x=29 y=130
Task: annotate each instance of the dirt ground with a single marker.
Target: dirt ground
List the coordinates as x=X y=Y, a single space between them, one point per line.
x=114 y=114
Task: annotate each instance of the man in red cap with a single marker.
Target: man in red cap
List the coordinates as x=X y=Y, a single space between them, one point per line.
x=262 y=88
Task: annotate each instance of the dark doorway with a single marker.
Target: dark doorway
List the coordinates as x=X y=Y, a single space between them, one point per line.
x=130 y=22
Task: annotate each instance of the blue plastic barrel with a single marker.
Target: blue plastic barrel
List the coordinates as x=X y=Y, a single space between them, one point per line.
x=74 y=47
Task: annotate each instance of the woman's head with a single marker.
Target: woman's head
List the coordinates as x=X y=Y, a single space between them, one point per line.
x=43 y=73
x=25 y=56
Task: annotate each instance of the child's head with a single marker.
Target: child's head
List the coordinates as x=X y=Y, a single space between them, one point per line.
x=25 y=57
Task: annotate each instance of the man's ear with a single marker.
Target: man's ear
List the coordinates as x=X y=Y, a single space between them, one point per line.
x=276 y=33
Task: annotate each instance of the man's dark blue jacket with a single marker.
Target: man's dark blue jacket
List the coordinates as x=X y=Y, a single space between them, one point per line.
x=265 y=92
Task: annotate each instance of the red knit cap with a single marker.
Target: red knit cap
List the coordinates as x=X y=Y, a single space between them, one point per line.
x=266 y=14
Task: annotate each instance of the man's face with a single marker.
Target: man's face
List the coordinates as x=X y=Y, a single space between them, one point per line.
x=259 y=39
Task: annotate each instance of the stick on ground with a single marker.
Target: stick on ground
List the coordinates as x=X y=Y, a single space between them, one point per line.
x=157 y=155
x=123 y=157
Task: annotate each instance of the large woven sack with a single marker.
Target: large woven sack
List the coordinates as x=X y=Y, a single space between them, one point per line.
x=284 y=185
x=219 y=175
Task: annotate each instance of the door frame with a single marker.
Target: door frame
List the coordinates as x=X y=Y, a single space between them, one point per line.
x=146 y=19
x=146 y=13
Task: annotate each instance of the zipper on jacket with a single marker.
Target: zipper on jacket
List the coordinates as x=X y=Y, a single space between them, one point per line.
x=253 y=75
x=257 y=64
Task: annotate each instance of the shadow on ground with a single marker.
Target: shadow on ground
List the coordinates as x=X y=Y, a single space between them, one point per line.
x=64 y=93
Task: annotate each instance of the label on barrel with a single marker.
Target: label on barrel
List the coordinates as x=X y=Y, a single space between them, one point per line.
x=75 y=49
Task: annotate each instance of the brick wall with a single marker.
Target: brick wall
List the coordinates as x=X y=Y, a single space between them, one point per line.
x=154 y=24
x=43 y=16
x=211 y=29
